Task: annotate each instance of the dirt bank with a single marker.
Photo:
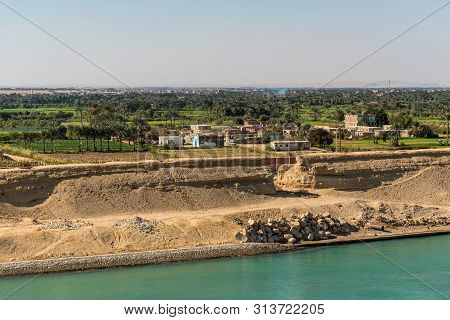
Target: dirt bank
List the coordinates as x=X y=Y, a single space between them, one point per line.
x=62 y=193
x=36 y=238
x=357 y=171
x=428 y=186
x=97 y=209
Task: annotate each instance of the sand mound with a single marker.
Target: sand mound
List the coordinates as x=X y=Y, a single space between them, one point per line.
x=96 y=196
x=161 y=190
x=429 y=186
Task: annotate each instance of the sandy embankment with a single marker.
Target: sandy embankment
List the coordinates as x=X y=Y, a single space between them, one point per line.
x=88 y=210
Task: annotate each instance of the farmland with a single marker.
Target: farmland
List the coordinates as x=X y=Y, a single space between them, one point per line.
x=315 y=115
x=405 y=144
x=70 y=145
x=66 y=124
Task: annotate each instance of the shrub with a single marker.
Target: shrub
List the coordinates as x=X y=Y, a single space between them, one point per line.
x=423 y=131
x=320 y=137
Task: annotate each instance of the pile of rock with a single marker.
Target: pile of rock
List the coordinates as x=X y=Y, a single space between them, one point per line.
x=143 y=225
x=65 y=224
x=308 y=227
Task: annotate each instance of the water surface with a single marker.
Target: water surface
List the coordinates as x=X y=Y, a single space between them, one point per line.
x=397 y=269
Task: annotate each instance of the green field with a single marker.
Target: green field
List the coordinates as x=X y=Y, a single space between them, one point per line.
x=71 y=146
x=429 y=120
x=406 y=143
x=42 y=109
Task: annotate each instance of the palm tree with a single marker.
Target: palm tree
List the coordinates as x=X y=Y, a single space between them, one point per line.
x=75 y=133
x=79 y=109
x=85 y=133
x=120 y=130
x=131 y=136
x=43 y=137
x=49 y=134
x=398 y=121
x=140 y=124
x=100 y=134
x=79 y=134
x=24 y=137
x=28 y=136
x=93 y=134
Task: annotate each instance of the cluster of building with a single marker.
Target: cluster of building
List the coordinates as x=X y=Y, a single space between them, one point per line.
x=253 y=132
x=365 y=126
x=250 y=133
x=368 y=126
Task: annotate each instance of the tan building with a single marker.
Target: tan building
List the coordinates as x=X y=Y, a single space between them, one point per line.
x=200 y=128
x=351 y=121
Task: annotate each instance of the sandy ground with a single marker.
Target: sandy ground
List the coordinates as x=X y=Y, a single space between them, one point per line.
x=95 y=157
x=33 y=238
x=96 y=215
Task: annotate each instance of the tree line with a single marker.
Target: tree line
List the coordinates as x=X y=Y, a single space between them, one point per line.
x=106 y=126
x=239 y=103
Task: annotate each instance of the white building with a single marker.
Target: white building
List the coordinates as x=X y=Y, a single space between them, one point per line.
x=200 y=128
x=290 y=145
x=170 y=141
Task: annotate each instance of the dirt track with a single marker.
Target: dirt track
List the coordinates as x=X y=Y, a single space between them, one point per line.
x=59 y=212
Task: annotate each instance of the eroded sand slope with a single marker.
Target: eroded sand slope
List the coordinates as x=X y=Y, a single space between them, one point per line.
x=59 y=212
x=359 y=170
x=427 y=186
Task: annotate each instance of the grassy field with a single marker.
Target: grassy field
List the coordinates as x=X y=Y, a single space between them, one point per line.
x=71 y=146
x=430 y=119
x=406 y=143
x=41 y=109
x=18 y=129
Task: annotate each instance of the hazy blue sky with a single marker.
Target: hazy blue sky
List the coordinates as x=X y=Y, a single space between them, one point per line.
x=224 y=43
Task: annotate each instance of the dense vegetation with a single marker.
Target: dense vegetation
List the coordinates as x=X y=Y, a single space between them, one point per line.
x=125 y=121
x=313 y=104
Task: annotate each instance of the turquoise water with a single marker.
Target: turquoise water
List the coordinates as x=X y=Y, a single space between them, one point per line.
x=353 y=271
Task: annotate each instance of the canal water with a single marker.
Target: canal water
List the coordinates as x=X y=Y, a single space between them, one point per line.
x=416 y=268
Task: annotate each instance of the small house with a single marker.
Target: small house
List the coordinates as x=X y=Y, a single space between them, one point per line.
x=290 y=145
x=170 y=141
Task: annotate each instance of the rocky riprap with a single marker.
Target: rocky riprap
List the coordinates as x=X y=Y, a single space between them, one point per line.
x=143 y=225
x=308 y=227
x=137 y=258
x=65 y=224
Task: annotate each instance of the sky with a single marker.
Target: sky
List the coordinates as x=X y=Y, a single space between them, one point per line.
x=284 y=43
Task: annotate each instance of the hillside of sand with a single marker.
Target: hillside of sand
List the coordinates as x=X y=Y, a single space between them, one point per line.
x=78 y=210
x=428 y=186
